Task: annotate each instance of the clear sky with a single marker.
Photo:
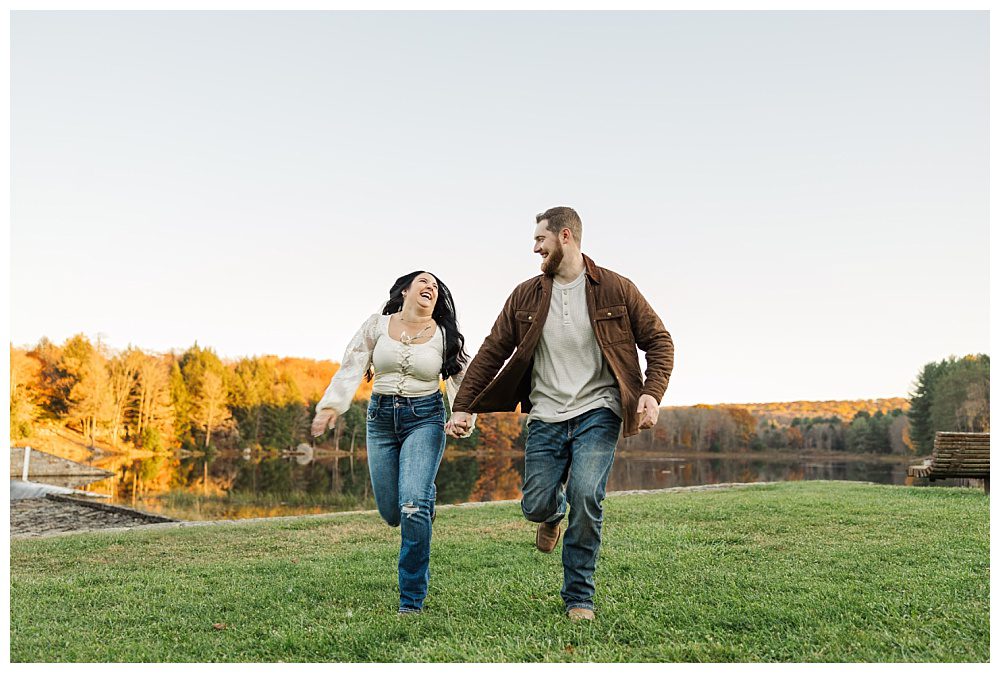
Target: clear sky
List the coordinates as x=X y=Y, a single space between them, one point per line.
x=802 y=197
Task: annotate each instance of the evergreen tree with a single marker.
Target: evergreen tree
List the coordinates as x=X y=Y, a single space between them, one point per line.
x=180 y=402
x=921 y=400
x=252 y=382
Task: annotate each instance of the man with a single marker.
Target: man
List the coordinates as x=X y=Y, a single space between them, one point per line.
x=570 y=335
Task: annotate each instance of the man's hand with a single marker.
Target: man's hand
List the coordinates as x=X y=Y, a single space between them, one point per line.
x=648 y=411
x=325 y=418
x=459 y=425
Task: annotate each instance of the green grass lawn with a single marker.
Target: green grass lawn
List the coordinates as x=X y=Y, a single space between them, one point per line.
x=800 y=571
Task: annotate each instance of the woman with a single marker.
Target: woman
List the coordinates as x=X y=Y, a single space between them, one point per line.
x=405 y=352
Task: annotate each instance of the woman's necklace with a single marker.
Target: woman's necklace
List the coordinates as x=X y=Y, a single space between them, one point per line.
x=405 y=338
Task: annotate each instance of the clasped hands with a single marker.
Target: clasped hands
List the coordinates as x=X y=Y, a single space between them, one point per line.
x=458 y=425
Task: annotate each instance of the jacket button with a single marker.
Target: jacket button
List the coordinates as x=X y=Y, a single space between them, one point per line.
x=529 y=317
x=609 y=312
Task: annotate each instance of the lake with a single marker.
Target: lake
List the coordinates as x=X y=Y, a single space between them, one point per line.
x=225 y=485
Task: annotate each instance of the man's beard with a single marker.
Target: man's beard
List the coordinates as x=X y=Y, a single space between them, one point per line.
x=551 y=263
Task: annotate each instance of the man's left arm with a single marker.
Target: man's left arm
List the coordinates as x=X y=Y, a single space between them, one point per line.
x=653 y=339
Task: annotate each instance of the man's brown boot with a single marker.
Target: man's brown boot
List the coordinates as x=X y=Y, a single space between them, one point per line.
x=547 y=536
x=580 y=614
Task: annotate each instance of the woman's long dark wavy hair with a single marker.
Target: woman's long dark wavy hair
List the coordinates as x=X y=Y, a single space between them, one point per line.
x=455 y=356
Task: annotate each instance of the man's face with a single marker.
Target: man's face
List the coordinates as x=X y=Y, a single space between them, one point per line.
x=548 y=246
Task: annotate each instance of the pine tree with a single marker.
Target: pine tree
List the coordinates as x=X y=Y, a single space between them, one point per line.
x=180 y=402
x=921 y=400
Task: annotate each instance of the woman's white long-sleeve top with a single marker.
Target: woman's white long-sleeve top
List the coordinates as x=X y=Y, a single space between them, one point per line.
x=400 y=369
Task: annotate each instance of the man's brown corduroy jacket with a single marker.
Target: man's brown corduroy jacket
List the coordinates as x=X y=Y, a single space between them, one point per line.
x=622 y=320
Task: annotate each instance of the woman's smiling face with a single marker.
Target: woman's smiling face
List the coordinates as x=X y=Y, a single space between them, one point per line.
x=423 y=292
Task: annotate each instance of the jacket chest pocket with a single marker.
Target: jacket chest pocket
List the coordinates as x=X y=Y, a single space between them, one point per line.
x=523 y=321
x=611 y=324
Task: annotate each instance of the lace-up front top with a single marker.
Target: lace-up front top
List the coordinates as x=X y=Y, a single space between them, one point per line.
x=411 y=370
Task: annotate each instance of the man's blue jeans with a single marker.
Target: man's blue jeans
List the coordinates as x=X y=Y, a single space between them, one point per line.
x=569 y=462
x=405 y=445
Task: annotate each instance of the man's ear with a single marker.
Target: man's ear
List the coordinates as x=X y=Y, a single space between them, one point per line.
x=565 y=235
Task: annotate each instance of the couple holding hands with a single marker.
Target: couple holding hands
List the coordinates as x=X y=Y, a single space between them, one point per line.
x=563 y=347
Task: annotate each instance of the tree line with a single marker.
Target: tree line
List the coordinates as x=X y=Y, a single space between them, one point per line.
x=195 y=400
x=732 y=429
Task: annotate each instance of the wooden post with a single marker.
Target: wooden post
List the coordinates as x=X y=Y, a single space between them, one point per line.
x=27 y=459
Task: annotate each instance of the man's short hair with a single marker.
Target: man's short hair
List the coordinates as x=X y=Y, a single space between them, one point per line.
x=562 y=217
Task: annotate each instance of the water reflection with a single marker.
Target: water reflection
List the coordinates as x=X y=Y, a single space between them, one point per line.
x=306 y=480
x=646 y=471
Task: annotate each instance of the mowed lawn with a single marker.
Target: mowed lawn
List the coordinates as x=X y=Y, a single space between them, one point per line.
x=799 y=571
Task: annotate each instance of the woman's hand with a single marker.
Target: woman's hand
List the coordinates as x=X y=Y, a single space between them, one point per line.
x=325 y=418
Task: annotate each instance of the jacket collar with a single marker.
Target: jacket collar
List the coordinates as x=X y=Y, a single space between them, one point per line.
x=592 y=270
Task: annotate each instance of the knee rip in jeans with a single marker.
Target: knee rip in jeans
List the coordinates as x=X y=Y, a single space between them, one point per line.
x=409 y=509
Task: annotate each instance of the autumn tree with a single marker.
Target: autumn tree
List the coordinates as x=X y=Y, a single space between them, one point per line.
x=25 y=373
x=745 y=423
x=205 y=379
x=54 y=382
x=151 y=407
x=89 y=399
x=122 y=370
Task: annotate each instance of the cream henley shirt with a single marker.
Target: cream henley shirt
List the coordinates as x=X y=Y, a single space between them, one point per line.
x=570 y=375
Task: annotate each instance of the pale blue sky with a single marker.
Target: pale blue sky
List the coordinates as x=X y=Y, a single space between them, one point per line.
x=801 y=196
